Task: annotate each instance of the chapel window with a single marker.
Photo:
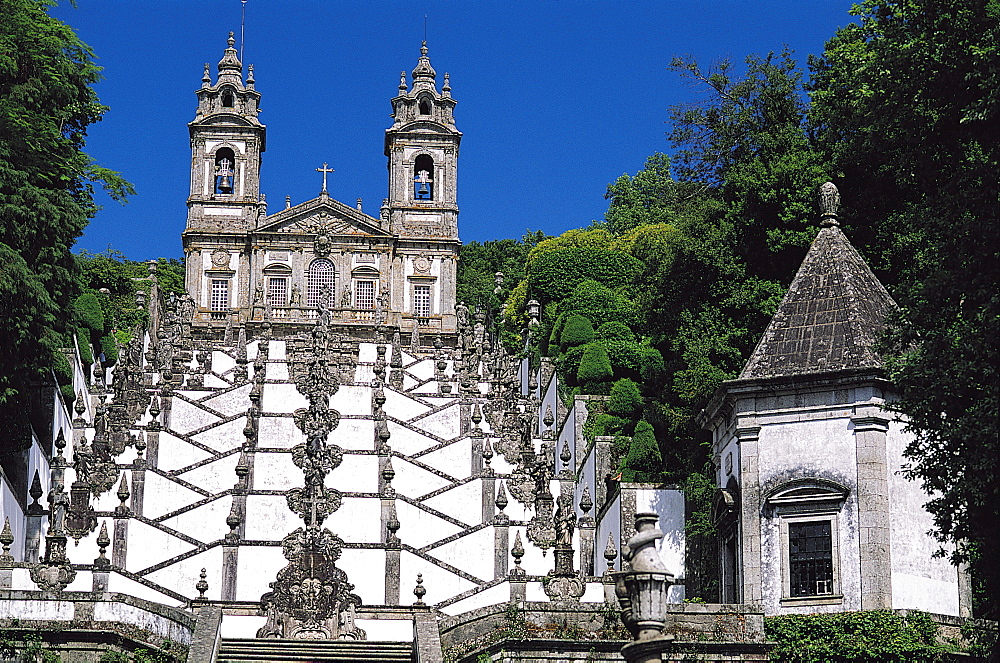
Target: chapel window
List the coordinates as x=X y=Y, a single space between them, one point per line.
x=220 y=295
x=422 y=301
x=227 y=99
x=423 y=179
x=810 y=558
x=225 y=163
x=425 y=107
x=364 y=295
x=320 y=282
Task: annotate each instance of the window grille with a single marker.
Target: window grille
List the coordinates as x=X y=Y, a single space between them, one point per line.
x=220 y=295
x=321 y=273
x=364 y=295
x=422 y=301
x=277 y=291
x=810 y=558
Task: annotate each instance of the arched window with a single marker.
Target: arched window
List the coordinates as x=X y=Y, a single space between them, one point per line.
x=225 y=174
x=321 y=282
x=227 y=99
x=425 y=107
x=423 y=178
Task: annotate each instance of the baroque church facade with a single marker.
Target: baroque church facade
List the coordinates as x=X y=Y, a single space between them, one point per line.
x=322 y=256
x=318 y=455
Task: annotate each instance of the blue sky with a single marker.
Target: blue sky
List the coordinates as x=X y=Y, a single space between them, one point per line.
x=556 y=98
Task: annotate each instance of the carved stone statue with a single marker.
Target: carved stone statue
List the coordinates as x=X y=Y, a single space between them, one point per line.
x=295 y=299
x=345 y=298
x=258 y=295
x=565 y=521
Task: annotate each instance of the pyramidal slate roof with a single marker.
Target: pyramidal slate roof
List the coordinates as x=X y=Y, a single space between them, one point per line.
x=830 y=317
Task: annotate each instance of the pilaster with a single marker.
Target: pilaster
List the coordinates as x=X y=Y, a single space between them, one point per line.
x=873 y=512
x=748 y=438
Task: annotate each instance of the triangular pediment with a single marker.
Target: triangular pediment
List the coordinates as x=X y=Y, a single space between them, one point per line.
x=323 y=215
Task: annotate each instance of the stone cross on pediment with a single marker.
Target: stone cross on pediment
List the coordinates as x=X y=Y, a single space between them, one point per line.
x=325 y=169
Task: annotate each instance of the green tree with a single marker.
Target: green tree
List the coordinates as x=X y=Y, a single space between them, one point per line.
x=479 y=262
x=906 y=102
x=46 y=192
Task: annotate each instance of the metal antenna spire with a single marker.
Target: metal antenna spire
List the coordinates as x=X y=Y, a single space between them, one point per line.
x=243 y=19
x=425 y=26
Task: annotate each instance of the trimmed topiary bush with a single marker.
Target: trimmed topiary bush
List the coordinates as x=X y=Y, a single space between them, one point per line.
x=576 y=331
x=85 y=348
x=643 y=461
x=625 y=400
x=615 y=331
x=595 y=374
x=110 y=350
x=88 y=312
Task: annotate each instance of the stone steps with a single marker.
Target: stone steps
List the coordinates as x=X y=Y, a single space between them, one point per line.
x=307 y=651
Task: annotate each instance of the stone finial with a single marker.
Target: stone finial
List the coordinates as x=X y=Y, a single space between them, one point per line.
x=36 y=493
x=829 y=202
x=103 y=541
x=501 y=500
x=388 y=473
x=402 y=82
x=420 y=591
x=250 y=78
x=446 y=88
x=487 y=451
x=206 y=78
x=79 y=407
x=140 y=446
x=123 y=495
x=288 y=202
x=611 y=553
x=7 y=539
x=586 y=502
x=565 y=455
x=517 y=552
x=233 y=521
x=202 y=584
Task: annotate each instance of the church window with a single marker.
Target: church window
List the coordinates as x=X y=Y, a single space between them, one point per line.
x=277 y=290
x=227 y=99
x=321 y=282
x=423 y=179
x=220 y=295
x=225 y=175
x=422 y=301
x=810 y=558
x=425 y=107
x=364 y=295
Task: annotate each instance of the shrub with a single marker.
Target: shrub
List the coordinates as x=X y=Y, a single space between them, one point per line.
x=625 y=400
x=577 y=330
x=87 y=309
x=557 y=327
x=643 y=462
x=568 y=363
x=595 y=371
x=615 y=331
x=85 y=348
x=110 y=350
x=555 y=274
x=651 y=366
x=870 y=635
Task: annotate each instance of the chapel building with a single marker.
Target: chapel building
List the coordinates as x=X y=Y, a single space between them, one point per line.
x=814 y=511
x=322 y=257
